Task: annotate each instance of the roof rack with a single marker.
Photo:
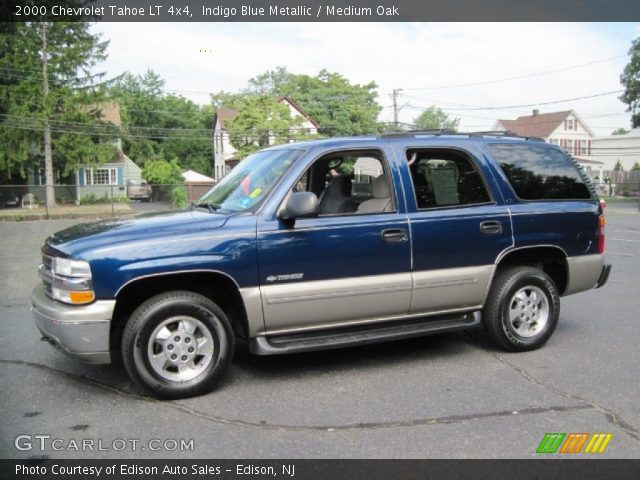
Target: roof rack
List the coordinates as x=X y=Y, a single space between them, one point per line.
x=442 y=131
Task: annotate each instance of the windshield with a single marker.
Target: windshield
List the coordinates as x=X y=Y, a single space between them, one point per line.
x=249 y=182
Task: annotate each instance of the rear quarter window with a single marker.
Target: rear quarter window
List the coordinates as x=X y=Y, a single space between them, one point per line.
x=540 y=172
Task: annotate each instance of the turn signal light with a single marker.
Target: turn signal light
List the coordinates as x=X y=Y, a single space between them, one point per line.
x=85 y=296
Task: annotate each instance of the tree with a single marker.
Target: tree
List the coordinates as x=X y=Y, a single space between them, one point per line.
x=630 y=79
x=434 y=117
x=50 y=100
x=339 y=107
x=620 y=131
x=618 y=166
x=157 y=125
x=166 y=177
x=261 y=121
x=636 y=166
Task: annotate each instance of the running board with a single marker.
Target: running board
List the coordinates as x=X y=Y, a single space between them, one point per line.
x=361 y=335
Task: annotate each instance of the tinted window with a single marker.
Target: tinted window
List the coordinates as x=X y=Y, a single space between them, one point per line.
x=538 y=172
x=445 y=179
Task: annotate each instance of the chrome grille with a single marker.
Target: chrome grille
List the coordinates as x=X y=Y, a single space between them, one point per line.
x=47 y=266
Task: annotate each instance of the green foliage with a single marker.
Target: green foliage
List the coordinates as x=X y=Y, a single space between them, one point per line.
x=161 y=172
x=167 y=181
x=179 y=197
x=339 y=107
x=261 y=121
x=620 y=131
x=636 y=167
x=618 y=166
x=150 y=118
x=71 y=52
x=434 y=117
x=93 y=199
x=630 y=79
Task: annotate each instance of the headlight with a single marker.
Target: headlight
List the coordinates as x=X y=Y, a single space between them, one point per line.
x=67 y=280
x=70 y=268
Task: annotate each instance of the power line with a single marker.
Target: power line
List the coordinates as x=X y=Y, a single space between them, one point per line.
x=519 y=77
x=506 y=107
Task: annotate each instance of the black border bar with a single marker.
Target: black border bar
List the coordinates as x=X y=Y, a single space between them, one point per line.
x=321 y=10
x=583 y=469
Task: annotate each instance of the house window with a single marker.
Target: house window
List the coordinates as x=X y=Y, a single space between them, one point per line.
x=569 y=147
x=101 y=176
x=583 y=147
x=569 y=124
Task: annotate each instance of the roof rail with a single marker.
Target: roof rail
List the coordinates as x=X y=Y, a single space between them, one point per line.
x=503 y=133
x=444 y=131
x=426 y=131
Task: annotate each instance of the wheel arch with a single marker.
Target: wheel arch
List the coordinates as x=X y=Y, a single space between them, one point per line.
x=549 y=258
x=215 y=285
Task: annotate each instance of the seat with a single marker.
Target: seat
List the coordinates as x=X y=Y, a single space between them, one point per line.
x=337 y=198
x=381 y=201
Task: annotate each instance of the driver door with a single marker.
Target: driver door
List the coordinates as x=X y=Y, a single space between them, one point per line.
x=341 y=268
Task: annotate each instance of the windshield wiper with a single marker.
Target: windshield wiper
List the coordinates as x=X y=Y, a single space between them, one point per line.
x=212 y=207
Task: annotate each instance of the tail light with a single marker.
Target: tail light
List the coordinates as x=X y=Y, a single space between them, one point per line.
x=601 y=223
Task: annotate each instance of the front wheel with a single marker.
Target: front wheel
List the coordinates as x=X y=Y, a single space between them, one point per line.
x=177 y=344
x=522 y=309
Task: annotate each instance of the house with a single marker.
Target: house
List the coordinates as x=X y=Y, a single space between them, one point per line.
x=107 y=179
x=565 y=129
x=613 y=148
x=225 y=155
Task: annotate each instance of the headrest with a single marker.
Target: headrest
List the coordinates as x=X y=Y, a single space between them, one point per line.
x=380 y=187
x=340 y=186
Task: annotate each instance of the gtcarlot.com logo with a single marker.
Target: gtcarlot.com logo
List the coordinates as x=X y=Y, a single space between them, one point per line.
x=574 y=443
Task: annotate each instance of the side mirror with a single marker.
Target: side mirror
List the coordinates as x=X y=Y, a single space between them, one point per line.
x=300 y=205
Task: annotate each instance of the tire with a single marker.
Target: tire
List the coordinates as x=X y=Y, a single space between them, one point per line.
x=522 y=309
x=177 y=345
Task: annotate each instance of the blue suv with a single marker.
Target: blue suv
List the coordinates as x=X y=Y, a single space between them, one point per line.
x=330 y=244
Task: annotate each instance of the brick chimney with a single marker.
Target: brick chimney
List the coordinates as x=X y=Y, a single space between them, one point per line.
x=536 y=112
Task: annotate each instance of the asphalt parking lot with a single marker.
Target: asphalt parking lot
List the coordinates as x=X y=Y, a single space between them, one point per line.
x=450 y=396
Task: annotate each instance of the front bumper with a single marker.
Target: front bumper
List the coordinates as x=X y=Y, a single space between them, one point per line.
x=80 y=331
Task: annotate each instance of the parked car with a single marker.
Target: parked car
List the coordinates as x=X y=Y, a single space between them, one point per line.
x=452 y=231
x=139 y=190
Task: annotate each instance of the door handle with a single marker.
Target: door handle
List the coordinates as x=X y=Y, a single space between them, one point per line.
x=394 y=235
x=491 y=227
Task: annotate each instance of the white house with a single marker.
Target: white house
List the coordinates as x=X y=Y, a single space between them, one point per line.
x=612 y=148
x=565 y=129
x=225 y=156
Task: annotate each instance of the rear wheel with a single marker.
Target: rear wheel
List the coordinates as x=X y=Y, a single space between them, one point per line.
x=177 y=344
x=522 y=309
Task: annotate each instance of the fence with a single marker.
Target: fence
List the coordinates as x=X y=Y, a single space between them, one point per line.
x=23 y=201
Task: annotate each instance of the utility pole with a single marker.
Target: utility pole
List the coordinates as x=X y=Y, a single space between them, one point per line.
x=396 y=91
x=50 y=197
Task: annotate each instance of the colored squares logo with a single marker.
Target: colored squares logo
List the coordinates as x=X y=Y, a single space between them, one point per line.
x=574 y=443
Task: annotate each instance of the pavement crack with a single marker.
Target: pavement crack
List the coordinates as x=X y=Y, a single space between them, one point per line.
x=611 y=416
x=262 y=425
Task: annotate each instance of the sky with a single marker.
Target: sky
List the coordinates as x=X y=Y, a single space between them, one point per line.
x=467 y=69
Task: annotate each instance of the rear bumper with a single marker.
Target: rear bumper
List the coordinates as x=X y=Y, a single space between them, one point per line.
x=80 y=331
x=584 y=273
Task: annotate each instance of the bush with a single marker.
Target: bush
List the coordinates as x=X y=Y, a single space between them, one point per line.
x=625 y=193
x=92 y=199
x=179 y=197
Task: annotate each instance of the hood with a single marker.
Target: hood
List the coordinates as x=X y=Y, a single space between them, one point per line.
x=151 y=225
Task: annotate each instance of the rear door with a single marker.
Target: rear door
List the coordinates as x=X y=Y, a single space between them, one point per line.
x=458 y=228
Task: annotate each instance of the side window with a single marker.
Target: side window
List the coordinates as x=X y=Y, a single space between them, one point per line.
x=445 y=178
x=539 y=172
x=350 y=183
